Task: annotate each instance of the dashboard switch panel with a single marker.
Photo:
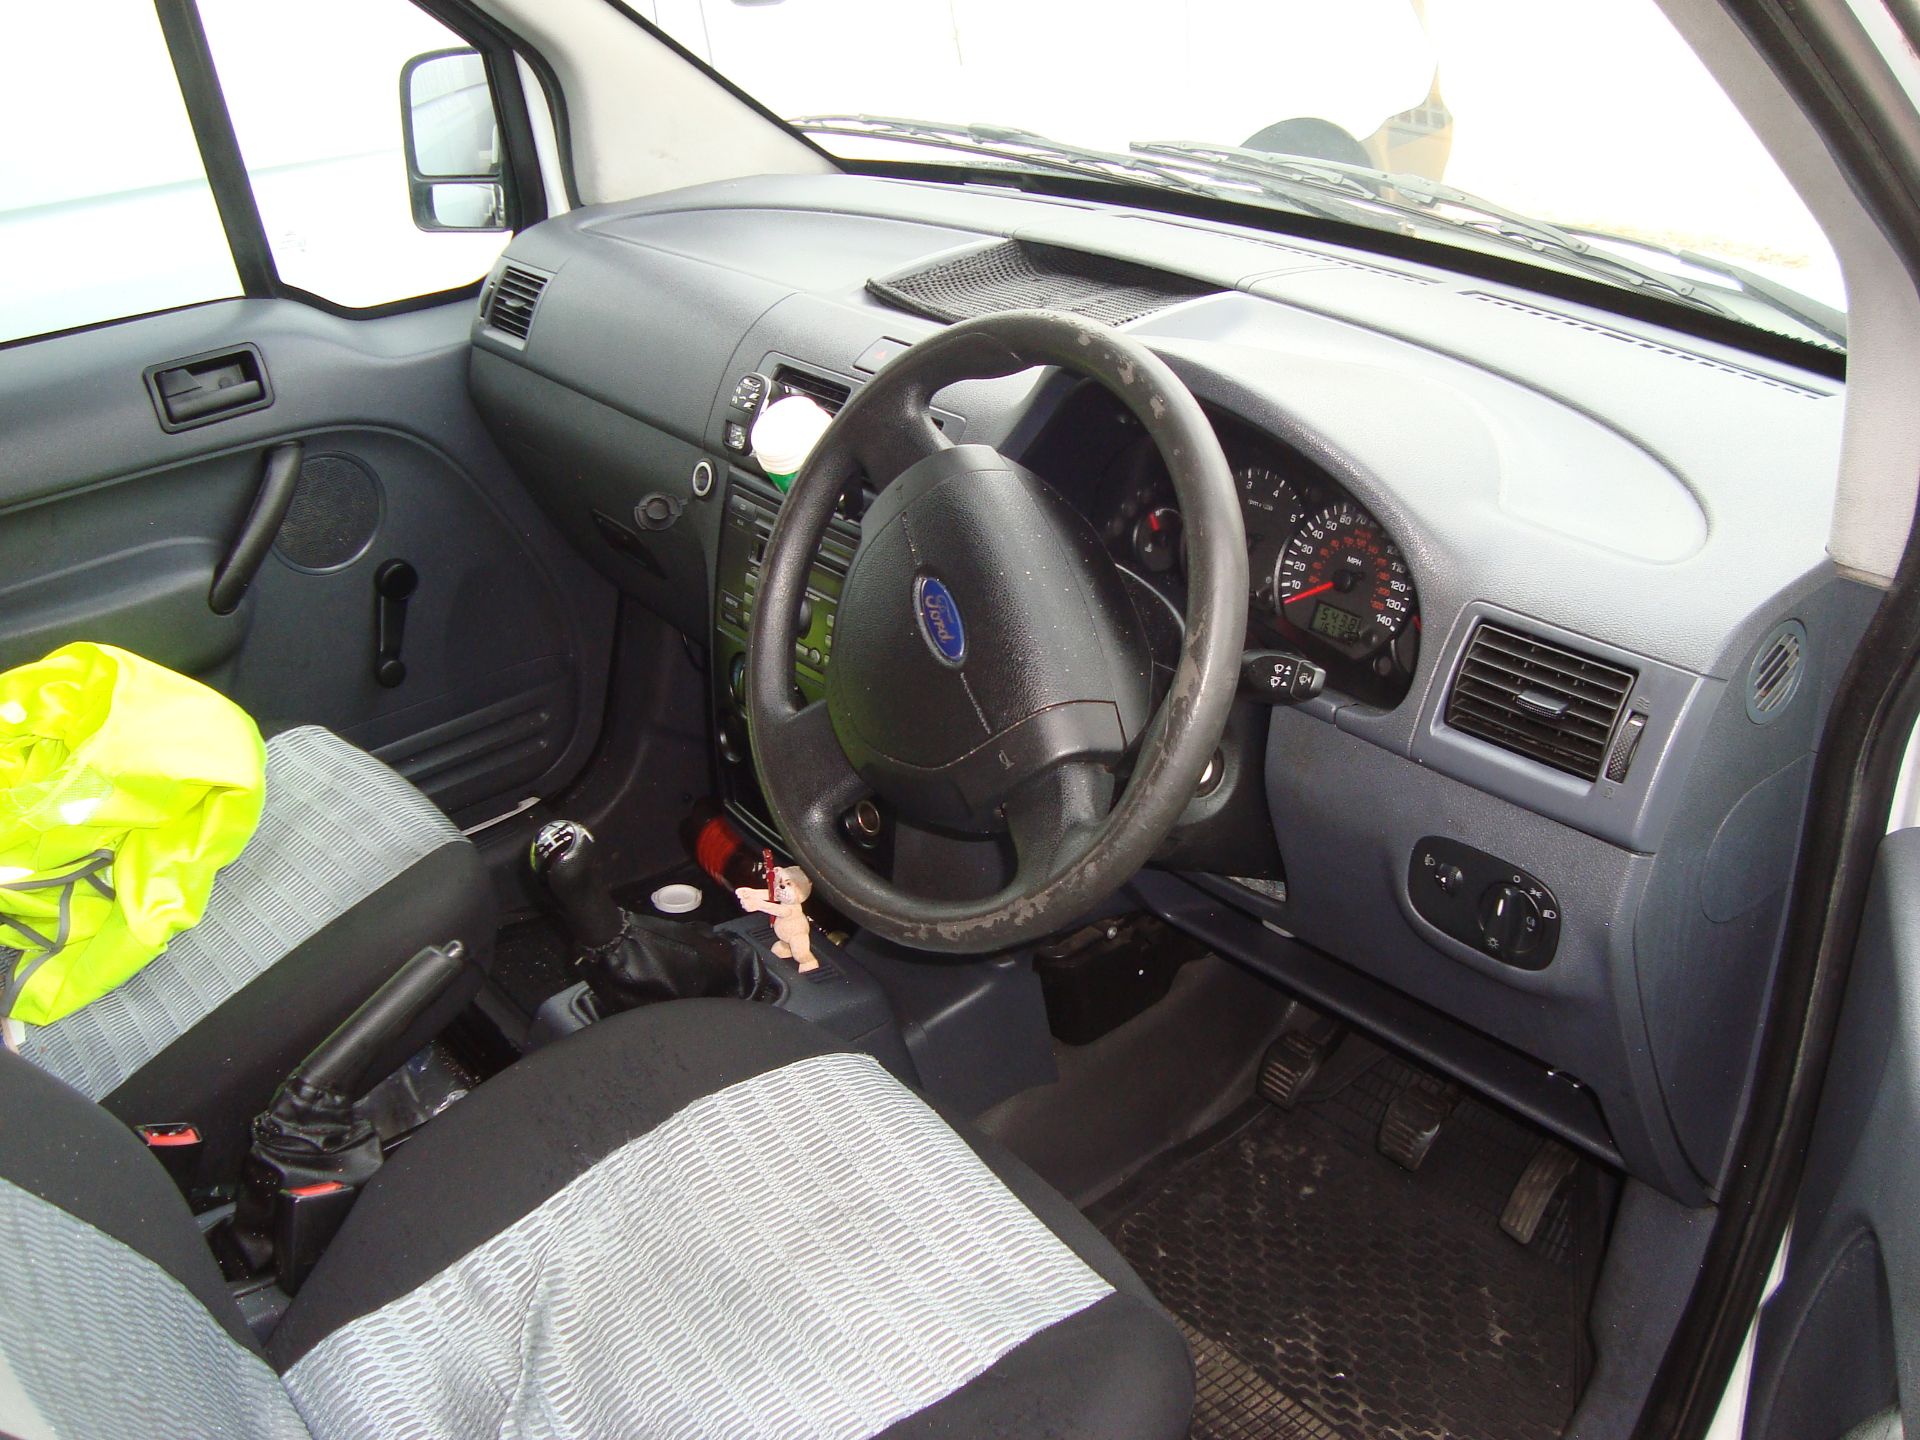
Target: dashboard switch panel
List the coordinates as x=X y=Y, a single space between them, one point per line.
x=1483 y=901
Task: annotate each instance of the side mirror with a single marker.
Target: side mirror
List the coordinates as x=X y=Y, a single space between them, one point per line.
x=454 y=172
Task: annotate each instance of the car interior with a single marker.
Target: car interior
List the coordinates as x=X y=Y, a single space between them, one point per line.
x=1236 y=1011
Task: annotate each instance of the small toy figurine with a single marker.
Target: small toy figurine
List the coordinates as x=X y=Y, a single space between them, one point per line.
x=786 y=891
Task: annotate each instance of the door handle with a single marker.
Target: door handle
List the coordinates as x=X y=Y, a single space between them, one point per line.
x=203 y=388
x=262 y=527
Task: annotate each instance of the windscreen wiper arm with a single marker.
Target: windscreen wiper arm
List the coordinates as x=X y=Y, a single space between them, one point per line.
x=1011 y=145
x=1823 y=320
x=1416 y=199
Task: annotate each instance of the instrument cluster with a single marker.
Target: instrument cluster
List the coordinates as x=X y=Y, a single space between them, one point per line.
x=1326 y=579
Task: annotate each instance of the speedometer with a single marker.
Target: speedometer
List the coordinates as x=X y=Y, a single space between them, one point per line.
x=1273 y=508
x=1342 y=579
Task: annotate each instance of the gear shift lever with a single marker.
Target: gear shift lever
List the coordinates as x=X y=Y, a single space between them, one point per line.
x=629 y=959
x=563 y=856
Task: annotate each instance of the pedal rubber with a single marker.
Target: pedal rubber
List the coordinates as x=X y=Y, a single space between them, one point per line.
x=1291 y=1063
x=1552 y=1163
x=1412 y=1122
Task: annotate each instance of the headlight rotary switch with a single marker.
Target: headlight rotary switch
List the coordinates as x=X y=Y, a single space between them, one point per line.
x=1509 y=922
x=1486 y=903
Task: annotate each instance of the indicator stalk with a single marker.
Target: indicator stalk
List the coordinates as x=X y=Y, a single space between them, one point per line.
x=1276 y=677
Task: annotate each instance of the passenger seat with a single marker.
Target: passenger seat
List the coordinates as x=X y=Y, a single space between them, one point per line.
x=351 y=871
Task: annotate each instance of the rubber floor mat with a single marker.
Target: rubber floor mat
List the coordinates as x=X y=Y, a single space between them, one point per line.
x=1330 y=1295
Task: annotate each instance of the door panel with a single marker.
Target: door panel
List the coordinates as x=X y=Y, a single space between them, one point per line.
x=1839 y=1341
x=112 y=529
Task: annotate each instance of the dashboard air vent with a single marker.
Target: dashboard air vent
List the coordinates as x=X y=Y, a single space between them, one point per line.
x=1017 y=275
x=1538 y=699
x=829 y=395
x=1774 y=677
x=515 y=295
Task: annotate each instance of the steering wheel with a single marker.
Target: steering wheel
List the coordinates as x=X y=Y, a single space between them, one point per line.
x=990 y=671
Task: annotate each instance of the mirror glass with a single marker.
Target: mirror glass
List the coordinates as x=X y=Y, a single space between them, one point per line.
x=465 y=205
x=451 y=110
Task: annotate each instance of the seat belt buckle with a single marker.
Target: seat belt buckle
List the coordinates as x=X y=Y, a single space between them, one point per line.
x=305 y=1220
x=176 y=1146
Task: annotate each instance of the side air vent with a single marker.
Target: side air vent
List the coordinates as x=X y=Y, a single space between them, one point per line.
x=1774 y=677
x=1537 y=699
x=515 y=295
x=1017 y=275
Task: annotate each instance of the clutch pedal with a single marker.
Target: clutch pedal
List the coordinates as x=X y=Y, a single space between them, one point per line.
x=1294 y=1059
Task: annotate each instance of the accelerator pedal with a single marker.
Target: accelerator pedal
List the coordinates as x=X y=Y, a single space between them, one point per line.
x=1412 y=1122
x=1295 y=1058
x=1552 y=1163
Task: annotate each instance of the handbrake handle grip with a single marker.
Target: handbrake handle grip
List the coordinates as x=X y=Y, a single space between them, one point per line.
x=341 y=1063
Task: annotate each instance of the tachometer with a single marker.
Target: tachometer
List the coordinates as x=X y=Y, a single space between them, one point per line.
x=1341 y=579
x=1273 y=508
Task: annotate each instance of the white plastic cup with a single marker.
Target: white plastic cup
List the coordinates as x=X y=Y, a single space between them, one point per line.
x=676 y=899
x=785 y=435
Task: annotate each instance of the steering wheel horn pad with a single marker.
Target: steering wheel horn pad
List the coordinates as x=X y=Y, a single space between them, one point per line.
x=983 y=636
x=989 y=668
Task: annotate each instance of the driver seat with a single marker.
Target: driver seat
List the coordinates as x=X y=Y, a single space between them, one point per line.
x=697 y=1219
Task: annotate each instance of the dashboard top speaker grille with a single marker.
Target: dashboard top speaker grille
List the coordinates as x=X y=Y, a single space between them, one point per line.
x=1017 y=275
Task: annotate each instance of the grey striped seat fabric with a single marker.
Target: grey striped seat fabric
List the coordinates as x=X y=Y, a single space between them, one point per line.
x=336 y=826
x=806 y=1250
x=152 y=1362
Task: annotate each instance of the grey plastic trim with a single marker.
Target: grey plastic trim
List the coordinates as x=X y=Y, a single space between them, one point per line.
x=1632 y=813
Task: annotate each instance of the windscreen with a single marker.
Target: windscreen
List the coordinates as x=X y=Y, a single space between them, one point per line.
x=1586 y=137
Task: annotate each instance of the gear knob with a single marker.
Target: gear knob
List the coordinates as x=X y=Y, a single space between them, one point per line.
x=564 y=858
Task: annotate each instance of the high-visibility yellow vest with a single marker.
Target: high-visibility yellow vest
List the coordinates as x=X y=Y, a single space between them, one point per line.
x=124 y=787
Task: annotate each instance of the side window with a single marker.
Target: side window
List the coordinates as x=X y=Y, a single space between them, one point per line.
x=104 y=209
x=316 y=94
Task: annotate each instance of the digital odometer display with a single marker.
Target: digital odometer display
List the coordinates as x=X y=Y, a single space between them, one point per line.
x=1337 y=624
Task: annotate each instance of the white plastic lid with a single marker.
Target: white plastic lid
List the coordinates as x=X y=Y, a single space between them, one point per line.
x=786 y=433
x=676 y=899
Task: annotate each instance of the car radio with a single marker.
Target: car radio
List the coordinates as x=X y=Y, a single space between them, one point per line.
x=746 y=529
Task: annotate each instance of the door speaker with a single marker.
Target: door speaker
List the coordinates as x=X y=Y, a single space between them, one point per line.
x=334 y=514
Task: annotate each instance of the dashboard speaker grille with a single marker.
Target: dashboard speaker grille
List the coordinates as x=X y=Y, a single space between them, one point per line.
x=1021 y=276
x=515 y=295
x=1537 y=699
x=1774 y=677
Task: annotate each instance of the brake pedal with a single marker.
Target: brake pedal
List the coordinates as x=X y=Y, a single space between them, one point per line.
x=1552 y=1163
x=1293 y=1060
x=1412 y=1122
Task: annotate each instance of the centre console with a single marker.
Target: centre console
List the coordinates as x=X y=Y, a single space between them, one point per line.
x=746 y=525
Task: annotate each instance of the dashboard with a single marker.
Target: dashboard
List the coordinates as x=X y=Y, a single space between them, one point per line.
x=1565 y=569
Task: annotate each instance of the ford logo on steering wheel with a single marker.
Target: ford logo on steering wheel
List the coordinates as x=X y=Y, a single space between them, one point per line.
x=939 y=617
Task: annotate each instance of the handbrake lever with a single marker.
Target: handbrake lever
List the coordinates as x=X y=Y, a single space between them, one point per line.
x=311 y=1154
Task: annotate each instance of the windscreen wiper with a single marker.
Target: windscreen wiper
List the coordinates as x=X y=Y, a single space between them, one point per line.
x=1413 y=198
x=1829 y=324
x=1005 y=143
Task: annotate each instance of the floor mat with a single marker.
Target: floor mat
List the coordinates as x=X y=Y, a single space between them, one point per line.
x=1330 y=1295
